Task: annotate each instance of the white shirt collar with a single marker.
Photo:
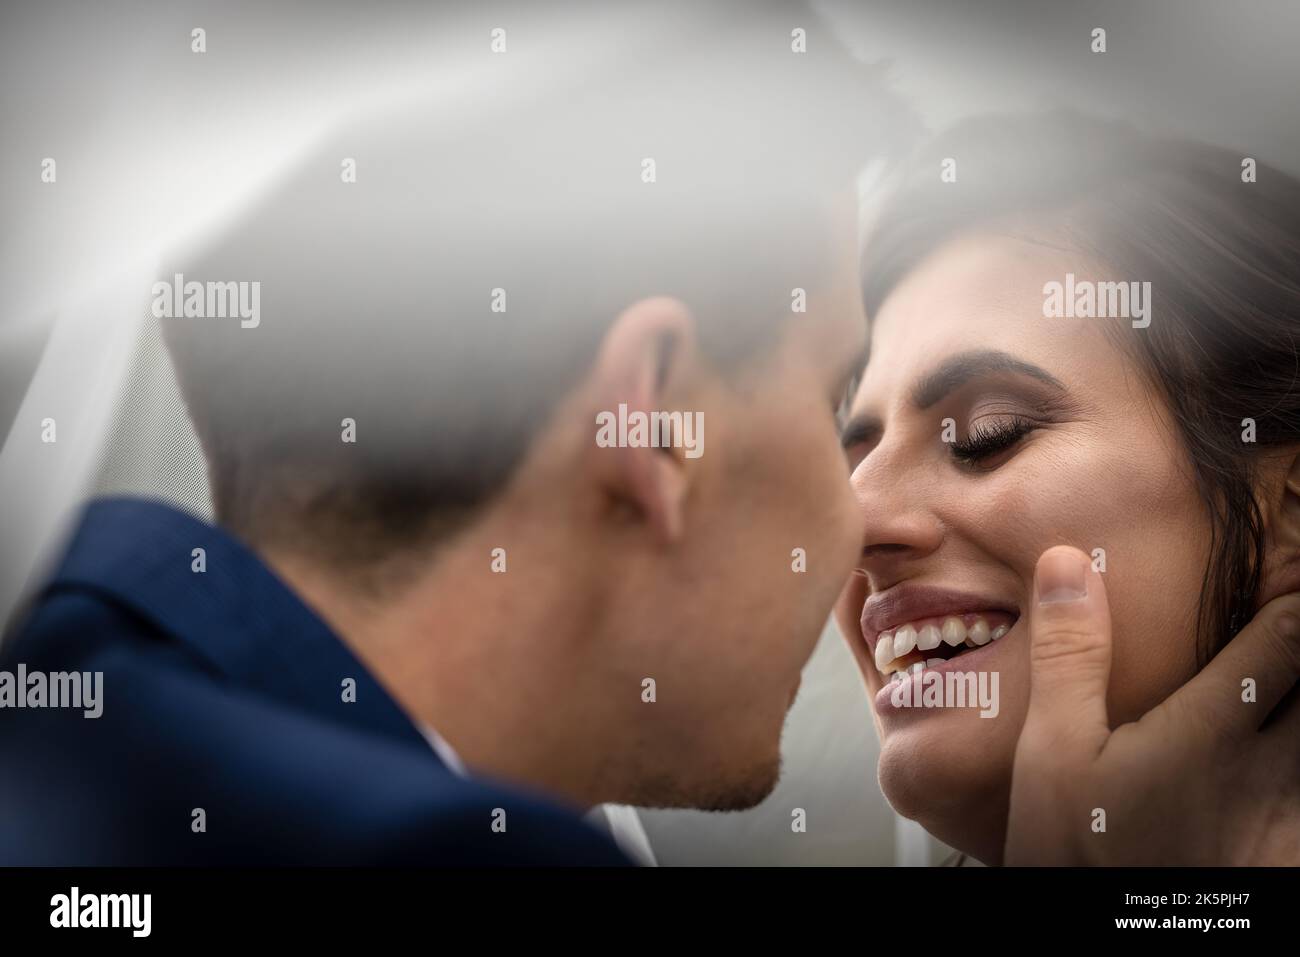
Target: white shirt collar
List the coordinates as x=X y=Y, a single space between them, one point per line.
x=446 y=753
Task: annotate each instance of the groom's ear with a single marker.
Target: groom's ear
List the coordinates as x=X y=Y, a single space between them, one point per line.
x=648 y=361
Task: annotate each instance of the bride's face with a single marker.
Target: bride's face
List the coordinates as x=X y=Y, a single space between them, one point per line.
x=1058 y=440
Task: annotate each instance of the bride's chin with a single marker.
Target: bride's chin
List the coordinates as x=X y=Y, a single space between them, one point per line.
x=959 y=798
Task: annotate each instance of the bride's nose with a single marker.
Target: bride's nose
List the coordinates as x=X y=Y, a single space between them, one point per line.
x=897 y=515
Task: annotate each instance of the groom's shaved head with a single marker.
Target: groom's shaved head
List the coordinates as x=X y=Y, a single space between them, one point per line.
x=446 y=299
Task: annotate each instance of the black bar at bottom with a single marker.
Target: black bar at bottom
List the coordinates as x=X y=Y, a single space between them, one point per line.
x=918 y=905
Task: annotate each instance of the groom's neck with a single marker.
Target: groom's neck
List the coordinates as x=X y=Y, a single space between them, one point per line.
x=481 y=652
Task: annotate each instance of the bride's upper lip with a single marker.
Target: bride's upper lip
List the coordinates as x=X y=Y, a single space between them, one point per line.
x=903 y=603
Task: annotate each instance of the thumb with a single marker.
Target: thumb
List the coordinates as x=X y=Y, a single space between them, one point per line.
x=1069 y=653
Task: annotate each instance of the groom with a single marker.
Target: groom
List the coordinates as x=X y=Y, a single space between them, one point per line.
x=436 y=616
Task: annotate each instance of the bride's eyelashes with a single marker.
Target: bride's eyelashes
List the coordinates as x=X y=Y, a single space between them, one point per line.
x=986 y=440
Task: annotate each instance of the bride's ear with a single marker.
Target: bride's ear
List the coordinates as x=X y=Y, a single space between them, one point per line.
x=1282 y=529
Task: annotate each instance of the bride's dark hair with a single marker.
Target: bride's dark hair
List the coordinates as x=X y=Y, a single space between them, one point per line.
x=1216 y=233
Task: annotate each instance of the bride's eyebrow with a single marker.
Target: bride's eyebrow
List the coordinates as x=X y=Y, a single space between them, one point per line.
x=957 y=370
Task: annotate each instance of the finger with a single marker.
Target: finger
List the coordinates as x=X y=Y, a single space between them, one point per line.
x=1283 y=725
x=1069 y=652
x=1251 y=675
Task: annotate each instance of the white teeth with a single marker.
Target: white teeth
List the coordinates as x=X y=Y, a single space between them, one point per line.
x=884 y=651
x=954 y=632
x=904 y=640
x=928 y=638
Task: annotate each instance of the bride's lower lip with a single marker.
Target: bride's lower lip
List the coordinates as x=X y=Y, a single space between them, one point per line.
x=977 y=659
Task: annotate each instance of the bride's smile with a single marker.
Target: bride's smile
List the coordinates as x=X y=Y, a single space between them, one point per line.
x=911 y=629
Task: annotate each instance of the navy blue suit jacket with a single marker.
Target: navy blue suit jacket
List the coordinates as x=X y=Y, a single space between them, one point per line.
x=223 y=692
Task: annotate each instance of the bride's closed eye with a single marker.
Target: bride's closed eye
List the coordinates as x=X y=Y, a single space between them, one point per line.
x=988 y=436
x=995 y=393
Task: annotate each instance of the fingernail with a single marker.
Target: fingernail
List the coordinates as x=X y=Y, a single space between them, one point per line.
x=1062 y=577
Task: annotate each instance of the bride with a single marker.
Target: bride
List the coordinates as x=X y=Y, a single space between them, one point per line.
x=984 y=430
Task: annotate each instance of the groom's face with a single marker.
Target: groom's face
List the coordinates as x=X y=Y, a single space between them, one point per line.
x=771 y=535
